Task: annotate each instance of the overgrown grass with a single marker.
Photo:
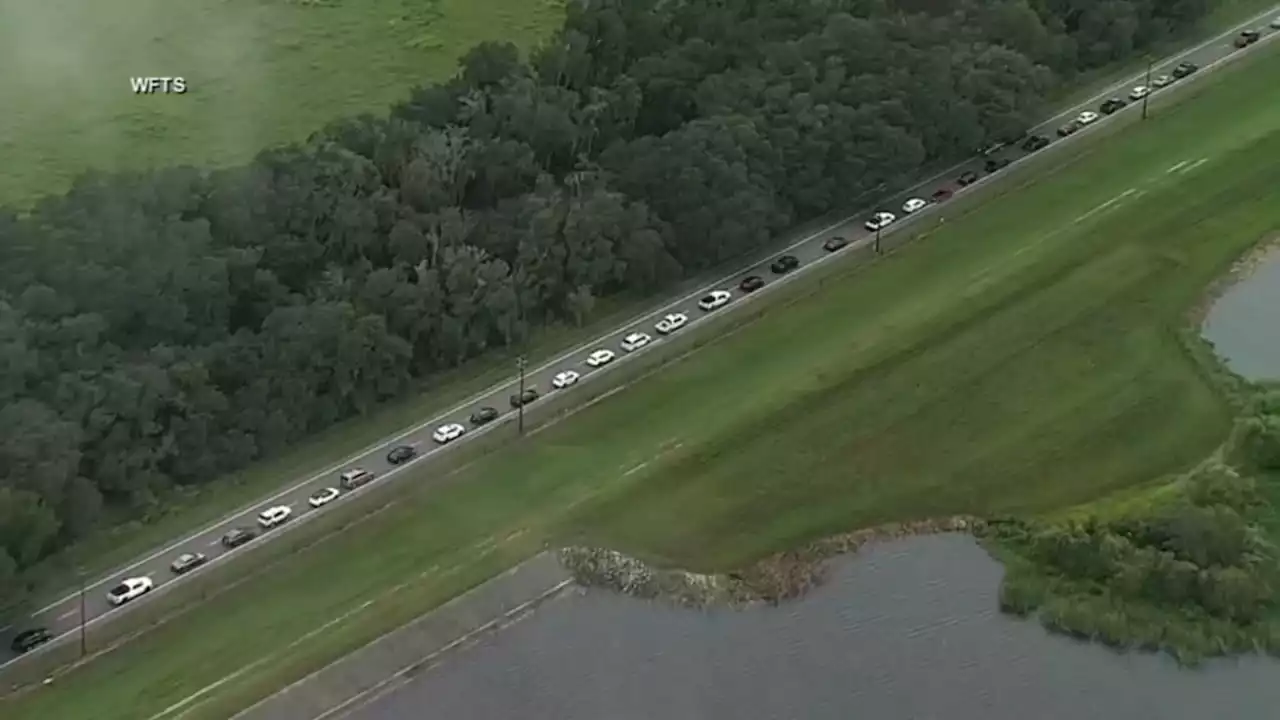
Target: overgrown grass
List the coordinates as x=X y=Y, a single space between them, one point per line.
x=259 y=73
x=1023 y=358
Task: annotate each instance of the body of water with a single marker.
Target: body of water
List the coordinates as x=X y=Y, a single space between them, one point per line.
x=1244 y=324
x=907 y=630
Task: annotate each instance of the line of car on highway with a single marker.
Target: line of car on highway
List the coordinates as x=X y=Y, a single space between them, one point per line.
x=131 y=588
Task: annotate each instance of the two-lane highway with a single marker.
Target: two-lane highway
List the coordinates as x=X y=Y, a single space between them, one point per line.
x=63 y=617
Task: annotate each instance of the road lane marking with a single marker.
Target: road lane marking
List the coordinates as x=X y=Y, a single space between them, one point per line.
x=662 y=309
x=1194 y=165
x=1177 y=167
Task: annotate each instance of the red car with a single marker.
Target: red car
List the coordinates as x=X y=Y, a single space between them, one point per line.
x=940 y=195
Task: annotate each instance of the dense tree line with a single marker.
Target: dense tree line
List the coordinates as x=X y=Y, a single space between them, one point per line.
x=1197 y=576
x=159 y=330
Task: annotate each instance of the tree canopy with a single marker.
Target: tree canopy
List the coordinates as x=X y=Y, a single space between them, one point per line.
x=159 y=330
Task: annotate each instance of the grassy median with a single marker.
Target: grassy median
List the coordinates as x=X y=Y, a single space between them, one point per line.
x=1023 y=358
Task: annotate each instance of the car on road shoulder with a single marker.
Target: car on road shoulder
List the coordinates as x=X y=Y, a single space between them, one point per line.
x=401 y=454
x=29 y=640
x=323 y=497
x=354 y=478
x=1184 y=69
x=968 y=177
x=1112 y=106
x=714 y=300
x=600 y=358
x=484 y=415
x=564 y=379
x=274 y=516
x=671 y=323
x=1088 y=117
x=879 y=221
x=186 y=562
x=831 y=245
x=635 y=341
x=913 y=205
x=524 y=398
x=752 y=283
x=784 y=264
x=1035 y=143
x=129 y=589
x=237 y=537
x=1139 y=92
x=448 y=433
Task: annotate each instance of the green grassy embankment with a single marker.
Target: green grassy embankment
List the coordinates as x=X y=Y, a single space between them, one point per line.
x=259 y=73
x=1022 y=358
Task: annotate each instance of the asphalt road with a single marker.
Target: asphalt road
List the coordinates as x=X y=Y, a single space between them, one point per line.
x=63 y=616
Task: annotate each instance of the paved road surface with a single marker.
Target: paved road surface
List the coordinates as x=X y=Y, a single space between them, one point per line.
x=63 y=616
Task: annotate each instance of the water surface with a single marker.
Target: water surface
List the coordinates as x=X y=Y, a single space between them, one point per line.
x=907 y=630
x=1244 y=324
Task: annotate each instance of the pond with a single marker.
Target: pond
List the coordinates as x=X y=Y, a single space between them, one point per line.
x=905 y=630
x=1244 y=324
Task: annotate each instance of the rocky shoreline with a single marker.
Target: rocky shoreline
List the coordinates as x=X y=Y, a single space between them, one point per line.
x=772 y=580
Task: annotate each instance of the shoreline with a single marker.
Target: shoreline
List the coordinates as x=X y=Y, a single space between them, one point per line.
x=777 y=578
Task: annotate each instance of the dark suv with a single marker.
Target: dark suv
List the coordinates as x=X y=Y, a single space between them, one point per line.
x=484 y=416
x=401 y=454
x=1247 y=38
x=237 y=537
x=528 y=396
x=1184 y=69
x=967 y=177
x=1111 y=106
x=1035 y=142
x=29 y=640
x=751 y=283
x=834 y=244
x=995 y=164
x=784 y=264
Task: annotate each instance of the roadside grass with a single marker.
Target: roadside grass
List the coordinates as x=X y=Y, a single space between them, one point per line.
x=259 y=74
x=1021 y=359
x=198 y=506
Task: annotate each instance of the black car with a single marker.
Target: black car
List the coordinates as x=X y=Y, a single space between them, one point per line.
x=834 y=244
x=968 y=177
x=187 y=562
x=237 y=537
x=1184 y=69
x=1247 y=38
x=484 y=415
x=1035 y=143
x=1069 y=128
x=1111 y=106
x=751 y=283
x=400 y=454
x=784 y=264
x=29 y=640
x=528 y=396
x=995 y=164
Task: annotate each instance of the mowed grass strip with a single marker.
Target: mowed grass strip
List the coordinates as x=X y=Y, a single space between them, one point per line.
x=1023 y=357
x=259 y=73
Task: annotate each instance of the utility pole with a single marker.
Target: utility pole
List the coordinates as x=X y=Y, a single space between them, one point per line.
x=520 y=363
x=879 y=225
x=1150 y=62
x=84 y=621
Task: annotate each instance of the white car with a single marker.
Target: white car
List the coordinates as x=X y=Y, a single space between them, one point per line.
x=600 y=357
x=913 y=205
x=635 y=341
x=1162 y=81
x=1275 y=23
x=1139 y=92
x=714 y=300
x=128 y=589
x=448 y=433
x=880 y=220
x=274 y=516
x=323 y=497
x=564 y=379
x=671 y=323
x=1088 y=117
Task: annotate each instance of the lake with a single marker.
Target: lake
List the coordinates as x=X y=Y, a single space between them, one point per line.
x=1244 y=324
x=906 y=630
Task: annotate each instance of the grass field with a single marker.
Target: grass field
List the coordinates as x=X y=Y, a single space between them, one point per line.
x=1022 y=358
x=259 y=72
